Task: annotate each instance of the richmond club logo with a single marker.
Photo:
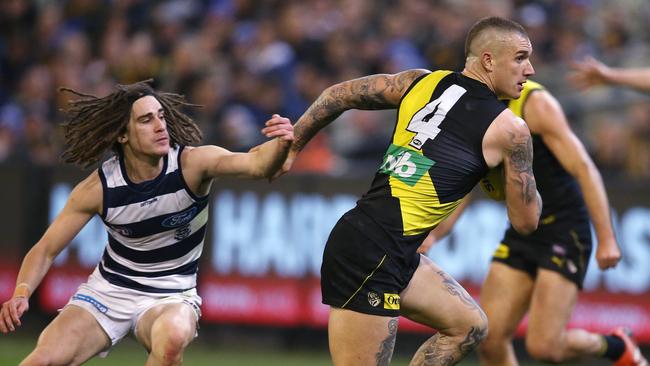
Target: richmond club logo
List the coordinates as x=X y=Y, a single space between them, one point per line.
x=373 y=299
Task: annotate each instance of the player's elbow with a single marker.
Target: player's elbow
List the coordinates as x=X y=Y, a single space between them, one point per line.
x=526 y=222
x=526 y=219
x=526 y=225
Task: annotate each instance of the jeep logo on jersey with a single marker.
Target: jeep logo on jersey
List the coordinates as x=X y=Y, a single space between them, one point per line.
x=180 y=219
x=405 y=164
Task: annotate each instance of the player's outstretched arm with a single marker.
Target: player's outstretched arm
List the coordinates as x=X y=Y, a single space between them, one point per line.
x=381 y=91
x=508 y=141
x=83 y=203
x=591 y=72
x=374 y=92
x=263 y=161
x=545 y=117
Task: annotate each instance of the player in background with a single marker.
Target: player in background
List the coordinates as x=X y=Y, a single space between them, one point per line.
x=591 y=72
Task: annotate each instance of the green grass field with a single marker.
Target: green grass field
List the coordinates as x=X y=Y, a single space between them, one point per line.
x=129 y=353
x=230 y=345
x=201 y=353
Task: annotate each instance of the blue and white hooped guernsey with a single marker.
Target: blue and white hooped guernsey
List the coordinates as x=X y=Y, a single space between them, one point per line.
x=155 y=228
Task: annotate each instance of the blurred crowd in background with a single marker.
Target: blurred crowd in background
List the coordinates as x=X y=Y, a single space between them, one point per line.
x=243 y=60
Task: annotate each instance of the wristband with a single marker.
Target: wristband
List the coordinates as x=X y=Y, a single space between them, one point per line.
x=22 y=290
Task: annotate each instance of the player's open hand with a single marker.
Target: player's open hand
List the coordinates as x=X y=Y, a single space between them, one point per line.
x=279 y=127
x=11 y=312
x=607 y=254
x=588 y=73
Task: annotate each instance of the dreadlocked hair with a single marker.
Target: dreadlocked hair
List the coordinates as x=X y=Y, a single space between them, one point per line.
x=93 y=124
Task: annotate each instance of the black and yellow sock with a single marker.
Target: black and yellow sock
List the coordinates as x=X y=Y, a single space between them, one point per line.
x=613 y=347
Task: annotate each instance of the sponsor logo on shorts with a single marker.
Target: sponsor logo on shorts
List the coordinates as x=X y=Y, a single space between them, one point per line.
x=373 y=299
x=502 y=251
x=180 y=219
x=405 y=164
x=91 y=300
x=558 y=261
x=391 y=301
x=571 y=266
x=558 y=249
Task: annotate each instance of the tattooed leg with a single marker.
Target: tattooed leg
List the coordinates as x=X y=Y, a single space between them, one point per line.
x=461 y=322
x=446 y=350
x=361 y=339
x=437 y=350
x=476 y=333
x=388 y=345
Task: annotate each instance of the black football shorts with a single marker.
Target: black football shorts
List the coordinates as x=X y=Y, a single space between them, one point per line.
x=359 y=274
x=562 y=246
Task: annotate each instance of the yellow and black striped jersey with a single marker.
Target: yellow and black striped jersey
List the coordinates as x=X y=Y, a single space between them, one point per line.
x=559 y=190
x=435 y=157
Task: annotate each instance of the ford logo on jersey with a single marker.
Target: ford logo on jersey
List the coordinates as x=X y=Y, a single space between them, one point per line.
x=180 y=219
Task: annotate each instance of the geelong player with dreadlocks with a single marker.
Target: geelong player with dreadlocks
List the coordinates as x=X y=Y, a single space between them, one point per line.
x=152 y=196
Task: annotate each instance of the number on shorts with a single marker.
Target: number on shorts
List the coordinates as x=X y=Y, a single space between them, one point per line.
x=426 y=121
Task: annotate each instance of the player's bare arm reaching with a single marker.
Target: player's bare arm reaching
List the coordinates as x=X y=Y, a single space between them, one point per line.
x=381 y=91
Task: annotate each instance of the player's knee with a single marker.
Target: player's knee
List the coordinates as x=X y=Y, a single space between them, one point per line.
x=478 y=325
x=177 y=328
x=173 y=342
x=169 y=351
x=543 y=351
x=472 y=331
x=170 y=339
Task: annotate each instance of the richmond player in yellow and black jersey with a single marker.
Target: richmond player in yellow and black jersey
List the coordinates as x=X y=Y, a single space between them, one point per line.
x=541 y=273
x=450 y=129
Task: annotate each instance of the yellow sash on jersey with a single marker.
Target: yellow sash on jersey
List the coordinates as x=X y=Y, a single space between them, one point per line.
x=408 y=168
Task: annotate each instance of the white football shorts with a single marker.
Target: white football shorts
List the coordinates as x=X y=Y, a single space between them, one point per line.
x=118 y=309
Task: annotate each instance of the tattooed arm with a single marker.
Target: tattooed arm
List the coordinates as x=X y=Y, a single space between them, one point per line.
x=381 y=91
x=508 y=141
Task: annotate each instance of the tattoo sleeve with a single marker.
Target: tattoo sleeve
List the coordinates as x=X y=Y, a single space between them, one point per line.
x=457 y=290
x=443 y=349
x=373 y=92
x=387 y=345
x=521 y=163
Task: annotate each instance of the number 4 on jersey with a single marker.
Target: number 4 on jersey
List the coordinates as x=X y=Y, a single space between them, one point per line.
x=426 y=121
